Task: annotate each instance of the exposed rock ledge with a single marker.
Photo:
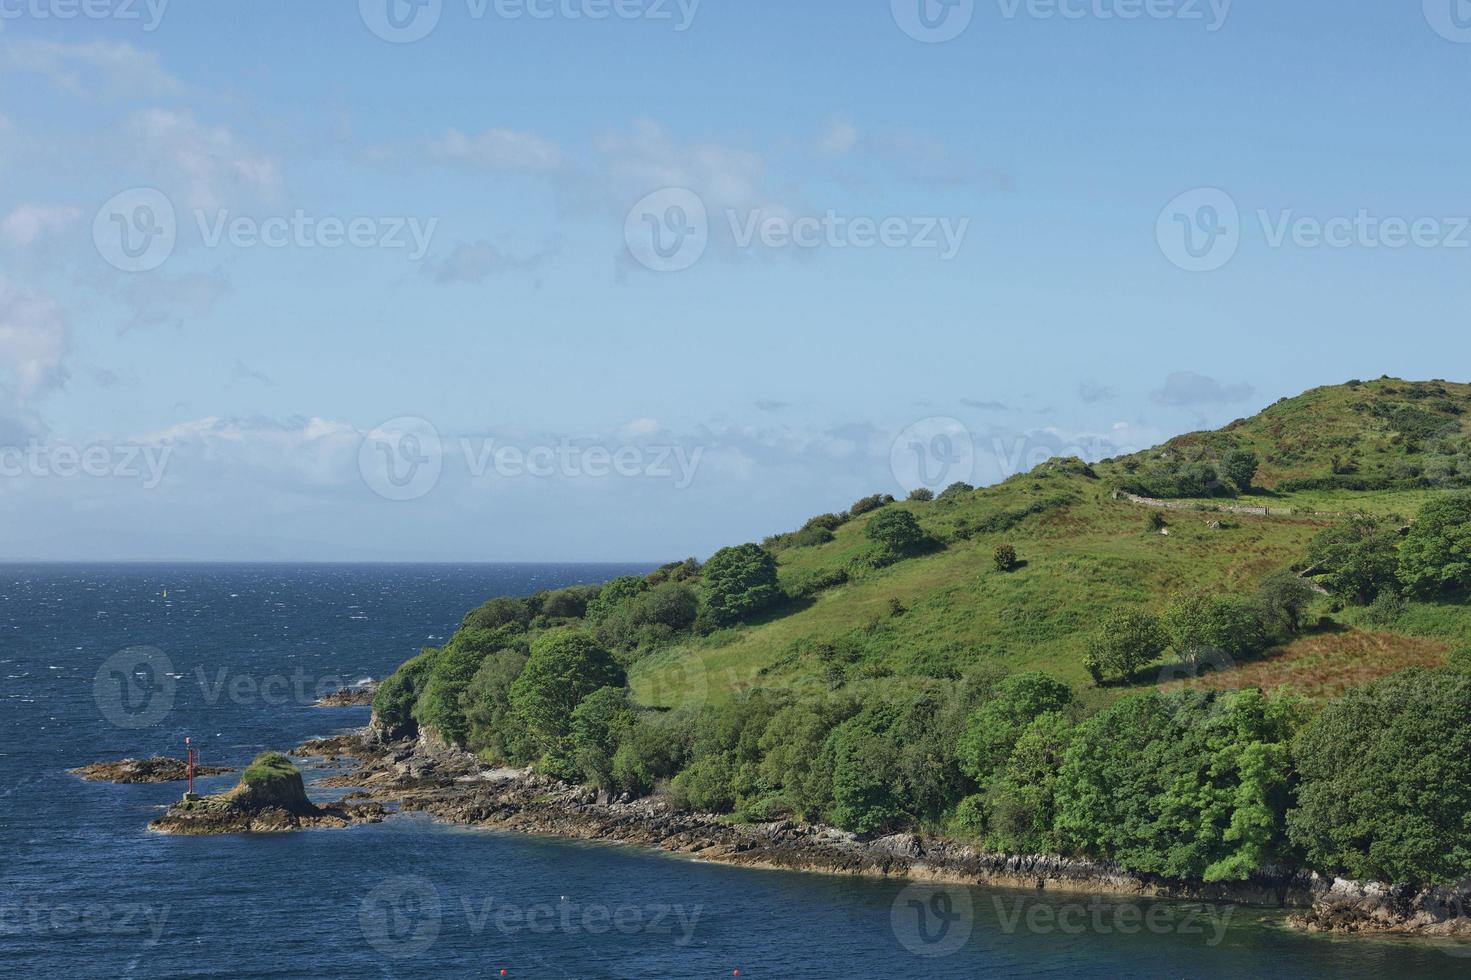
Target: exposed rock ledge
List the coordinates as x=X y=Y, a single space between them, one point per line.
x=155 y=770
x=357 y=696
x=270 y=798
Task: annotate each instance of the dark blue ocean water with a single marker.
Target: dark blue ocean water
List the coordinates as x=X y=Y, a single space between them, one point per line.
x=96 y=664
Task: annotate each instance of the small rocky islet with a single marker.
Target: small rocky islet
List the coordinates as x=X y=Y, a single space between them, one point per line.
x=270 y=798
x=155 y=770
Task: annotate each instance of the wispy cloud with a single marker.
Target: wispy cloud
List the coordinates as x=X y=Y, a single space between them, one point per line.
x=95 y=70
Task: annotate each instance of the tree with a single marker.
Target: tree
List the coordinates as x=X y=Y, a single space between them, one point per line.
x=991 y=730
x=1186 y=785
x=1203 y=626
x=1385 y=788
x=865 y=504
x=1357 y=559
x=493 y=728
x=1125 y=641
x=565 y=666
x=1019 y=805
x=921 y=495
x=503 y=611
x=738 y=583
x=897 y=533
x=598 y=725
x=1280 y=602
x=1436 y=554
x=1240 y=466
x=956 y=490
x=614 y=594
x=1004 y=558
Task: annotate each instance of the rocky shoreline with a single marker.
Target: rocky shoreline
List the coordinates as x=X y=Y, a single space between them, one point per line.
x=357 y=696
x=424 y=776
x=155 y=770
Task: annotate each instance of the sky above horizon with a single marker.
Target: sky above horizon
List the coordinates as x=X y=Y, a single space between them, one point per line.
x=526 y=280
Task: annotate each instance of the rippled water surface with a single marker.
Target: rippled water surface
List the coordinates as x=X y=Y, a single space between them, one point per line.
x=234 y=656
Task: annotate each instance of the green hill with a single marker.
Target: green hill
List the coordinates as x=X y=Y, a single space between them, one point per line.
x=1005 y=664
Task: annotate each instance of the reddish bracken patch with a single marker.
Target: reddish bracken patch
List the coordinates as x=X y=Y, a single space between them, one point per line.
x=1327 y=664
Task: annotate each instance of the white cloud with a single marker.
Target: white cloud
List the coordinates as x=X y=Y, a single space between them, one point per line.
x=209 y=166
x=101 y=70
x=500 y=151
x=34 y=342
x=29 y=223
x=647 y=158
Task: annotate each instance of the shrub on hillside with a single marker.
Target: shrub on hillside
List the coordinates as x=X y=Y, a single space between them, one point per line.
x=1239 y=467
x=494 y=729
x=1280 y=603
x=393 y=705
x=956 y=490
x=921 y=495
x=897 y=533
x=1005 y=558
x=866 y=504
x=1206 y=628
x=1124 y=642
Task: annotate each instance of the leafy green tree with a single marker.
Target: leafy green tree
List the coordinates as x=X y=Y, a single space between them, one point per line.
x=499 y=612
x=1125 y=641
x=650 y=617
x=1186 y=785
x=1204 y=626
x=921 y=495
x=893 y=764
x=393 y=705
x=565 y=666
x=439 y=706
x=598 y=725
x=1240 y=466
x=1436 y=554
x=956 y=490
x=738 y=583
x=1280 y=601
x=866 y=504
x=494 y=731
x=897 y=533
x=1019 y=804
x=614 y=594
x=991 y=730
x=792 y=767
x=1385 y=773
x=1358 y=558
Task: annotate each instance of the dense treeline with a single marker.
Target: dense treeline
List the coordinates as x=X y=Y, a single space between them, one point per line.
x=1207 y=785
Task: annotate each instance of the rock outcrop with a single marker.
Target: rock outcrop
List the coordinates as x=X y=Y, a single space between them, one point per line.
x=357 y=696
x=155 y=770
x=270 y=798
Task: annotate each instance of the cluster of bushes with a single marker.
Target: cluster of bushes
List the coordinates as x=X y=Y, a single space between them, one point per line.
x=1372 y=561
x=1233 y=472
x=1205 y=630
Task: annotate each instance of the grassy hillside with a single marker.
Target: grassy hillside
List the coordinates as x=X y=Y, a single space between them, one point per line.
x=1086 y=553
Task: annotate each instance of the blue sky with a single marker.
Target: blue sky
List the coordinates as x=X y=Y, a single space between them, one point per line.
x=244 y=401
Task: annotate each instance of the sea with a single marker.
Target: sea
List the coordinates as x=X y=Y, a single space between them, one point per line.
x=104 y=662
